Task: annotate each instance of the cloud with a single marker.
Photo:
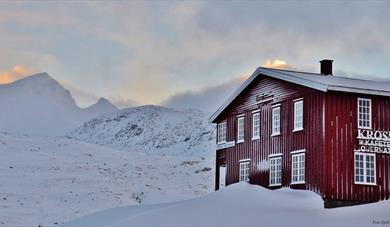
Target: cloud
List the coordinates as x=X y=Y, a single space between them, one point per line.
x=16 y=73
x=122 y=102
x=181 y=47
x=210 y=98
x=278 y=64
x=207 y=99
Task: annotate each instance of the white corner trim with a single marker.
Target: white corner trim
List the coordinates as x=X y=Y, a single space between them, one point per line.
x=275 y=155
x=298 y=151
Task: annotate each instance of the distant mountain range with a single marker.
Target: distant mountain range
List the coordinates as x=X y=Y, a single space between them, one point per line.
x=39 y=105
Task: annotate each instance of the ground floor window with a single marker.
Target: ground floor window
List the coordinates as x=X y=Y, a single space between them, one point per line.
x=244 y=170
x=365 y=168
x=275 y=172
x=298 y=168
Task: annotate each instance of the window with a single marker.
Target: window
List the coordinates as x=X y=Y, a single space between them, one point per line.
x=298 y=115
x=276 y=121
x=364 y=113
x=240 y=130
x=244 y=170
x=298 y=168
x=275 y=172
x=365 y=172
x=222 y=132
x=256 y=126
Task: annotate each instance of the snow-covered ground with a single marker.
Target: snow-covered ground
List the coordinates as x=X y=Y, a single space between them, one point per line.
x=46 y=180
x=243 y=205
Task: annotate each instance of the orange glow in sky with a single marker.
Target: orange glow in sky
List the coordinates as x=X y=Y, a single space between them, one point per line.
x=279 y=64
x=16 y=73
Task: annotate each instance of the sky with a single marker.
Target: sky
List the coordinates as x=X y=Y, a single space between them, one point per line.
x=180 y=53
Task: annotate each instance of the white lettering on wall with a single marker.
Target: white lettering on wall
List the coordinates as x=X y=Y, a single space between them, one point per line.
x=373 y=141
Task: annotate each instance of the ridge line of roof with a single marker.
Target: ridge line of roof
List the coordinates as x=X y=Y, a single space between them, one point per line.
x=297 y=77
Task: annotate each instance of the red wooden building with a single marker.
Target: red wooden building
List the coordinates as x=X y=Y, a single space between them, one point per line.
x=313 y=131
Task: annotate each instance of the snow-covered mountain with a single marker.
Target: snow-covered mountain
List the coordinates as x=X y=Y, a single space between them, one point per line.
x=40 y=105
x=150 y=129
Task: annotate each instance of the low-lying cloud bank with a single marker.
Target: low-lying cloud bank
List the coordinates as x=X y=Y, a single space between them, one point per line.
x=207 y=99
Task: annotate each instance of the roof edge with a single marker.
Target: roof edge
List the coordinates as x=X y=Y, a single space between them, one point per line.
x=234 y=95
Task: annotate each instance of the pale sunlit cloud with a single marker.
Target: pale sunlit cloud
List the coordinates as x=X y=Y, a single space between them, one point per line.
x=277 y=64
x=16 y=73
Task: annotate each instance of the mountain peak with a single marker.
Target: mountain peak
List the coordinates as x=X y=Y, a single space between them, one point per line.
x=102 y=105
x=38 y=79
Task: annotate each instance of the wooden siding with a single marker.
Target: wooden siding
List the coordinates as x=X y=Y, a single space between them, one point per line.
x=311 y=138
x=341 y=133
x=329 y=138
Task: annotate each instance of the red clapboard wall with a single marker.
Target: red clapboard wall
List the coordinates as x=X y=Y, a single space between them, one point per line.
x=311 y=138
x=329 y=138
x=341 y=133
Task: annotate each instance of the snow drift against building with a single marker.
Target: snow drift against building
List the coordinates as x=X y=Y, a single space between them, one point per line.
x=241 y=205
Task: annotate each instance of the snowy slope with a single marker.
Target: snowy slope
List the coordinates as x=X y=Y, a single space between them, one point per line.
x=151 y=129
x=46 y=180
x=242 y=205
x=39 y=105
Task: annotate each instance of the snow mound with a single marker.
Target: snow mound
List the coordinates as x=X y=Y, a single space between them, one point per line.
x=241 y=205
x=39 y=105
x=151 y=129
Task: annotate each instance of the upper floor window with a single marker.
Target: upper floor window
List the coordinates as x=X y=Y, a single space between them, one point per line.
x=275 y=172
x=244 y=170
x=364 y=113
x=240 y=130
x=365 y=172
x=222 y=132
x=256 y=125
x=276 y=120
x=298 y=168
x=298 y=115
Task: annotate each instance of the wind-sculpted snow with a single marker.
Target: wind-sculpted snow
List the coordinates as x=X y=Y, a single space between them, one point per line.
x=151 y=129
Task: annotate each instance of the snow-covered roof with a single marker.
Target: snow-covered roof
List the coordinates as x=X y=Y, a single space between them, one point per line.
x=313 y=80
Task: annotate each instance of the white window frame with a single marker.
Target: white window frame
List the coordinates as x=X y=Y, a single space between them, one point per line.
x=240 y=129
x=274 y=128
x=297 y=118
x=365 y=175
x=221 y=131
x=370 y=113
x=275 y=173
x=244 y=170
x=255 y=126
x=300 y=170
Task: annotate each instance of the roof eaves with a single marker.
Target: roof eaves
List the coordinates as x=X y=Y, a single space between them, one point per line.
x=359 y=90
